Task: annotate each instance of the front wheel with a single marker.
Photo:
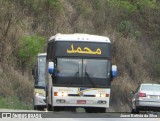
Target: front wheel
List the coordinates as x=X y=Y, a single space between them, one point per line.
x=135 y=111
x=56 y=109
x=35 y=107
x=49 y=107
x=40 y=108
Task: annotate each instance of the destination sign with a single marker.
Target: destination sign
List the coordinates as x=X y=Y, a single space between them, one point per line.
x=85 y=50
x=82 y=49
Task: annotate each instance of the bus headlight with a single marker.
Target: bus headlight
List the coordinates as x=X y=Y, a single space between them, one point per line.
x=97 y=95
x=60 y=94
x=101 y=95
x=39 y=94
x=65 y=94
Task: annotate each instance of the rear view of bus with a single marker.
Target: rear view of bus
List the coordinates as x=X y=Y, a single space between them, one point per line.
x=79 y=72
x=38 y=73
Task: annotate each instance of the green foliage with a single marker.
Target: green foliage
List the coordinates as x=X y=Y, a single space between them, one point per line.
x=54 y=3
x=133 y=5
x=13 y=103
x=97 y=4
x=38 y=6
x=124 y=4
x=32 y=4
x=30 y=46
x=137 y=34
x=80 y=6
x=147 y=3
x=125 y=26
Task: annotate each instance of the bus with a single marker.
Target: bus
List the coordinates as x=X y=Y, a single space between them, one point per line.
x=79 y=72
x=38 y=72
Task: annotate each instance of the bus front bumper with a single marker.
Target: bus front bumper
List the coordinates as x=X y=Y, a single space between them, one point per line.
x=81 y=101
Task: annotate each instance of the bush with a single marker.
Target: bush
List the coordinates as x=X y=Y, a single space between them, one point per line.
x=53 y=3
x=126 y=5
x=30 y=46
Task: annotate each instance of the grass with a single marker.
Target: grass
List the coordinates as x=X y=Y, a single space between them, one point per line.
x=16 y=90
x=14 y=103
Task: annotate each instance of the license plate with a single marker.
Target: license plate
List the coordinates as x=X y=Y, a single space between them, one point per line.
x=81 y=101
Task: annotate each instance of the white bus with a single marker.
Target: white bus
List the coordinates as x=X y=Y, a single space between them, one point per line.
x=38 y=73
x=79 y=72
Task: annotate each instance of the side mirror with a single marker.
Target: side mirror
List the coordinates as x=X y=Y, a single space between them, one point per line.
x=51 y=67
x=114 y=71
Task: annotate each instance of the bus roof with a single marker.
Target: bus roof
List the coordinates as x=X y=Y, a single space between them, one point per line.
x=80 y=37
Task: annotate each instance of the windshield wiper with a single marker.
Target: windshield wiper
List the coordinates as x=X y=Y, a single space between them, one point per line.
x=75 y=76
x=89 y=78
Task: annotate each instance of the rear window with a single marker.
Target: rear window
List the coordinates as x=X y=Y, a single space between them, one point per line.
x=150 y=87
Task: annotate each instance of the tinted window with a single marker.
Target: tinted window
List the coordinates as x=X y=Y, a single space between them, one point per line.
x=97 y=68
x=69 y=67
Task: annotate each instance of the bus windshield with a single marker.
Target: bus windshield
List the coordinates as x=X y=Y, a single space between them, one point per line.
x=41 y=71
x=83 y=70
x=95 y=68
x=68 y=67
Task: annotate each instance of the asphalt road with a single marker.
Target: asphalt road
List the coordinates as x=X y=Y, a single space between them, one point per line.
x=23 y=115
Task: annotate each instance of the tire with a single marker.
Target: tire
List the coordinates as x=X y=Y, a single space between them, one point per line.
x=56 y=109
x=41 y=108
x=73 y=109
x=88 y=110
x=101 y=110
x=49 y=107
x=35 y=107
x=135 y=111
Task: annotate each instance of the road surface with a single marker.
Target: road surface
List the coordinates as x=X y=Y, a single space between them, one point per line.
x=24 y=115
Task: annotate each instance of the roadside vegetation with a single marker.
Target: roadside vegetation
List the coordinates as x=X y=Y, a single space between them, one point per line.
x=25 y=25
x=14 y=103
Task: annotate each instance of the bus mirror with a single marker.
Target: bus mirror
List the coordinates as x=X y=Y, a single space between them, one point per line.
x=51 y=67
x=114 y=71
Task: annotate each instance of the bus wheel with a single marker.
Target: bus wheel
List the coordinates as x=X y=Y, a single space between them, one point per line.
x=101 y=110
x=73 y=109
x=35 y=107
x=89 y=110
x=57 y=109
x=135 y=111
x=49 y=107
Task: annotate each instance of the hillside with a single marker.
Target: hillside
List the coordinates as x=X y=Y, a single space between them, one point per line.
x=132 y=25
